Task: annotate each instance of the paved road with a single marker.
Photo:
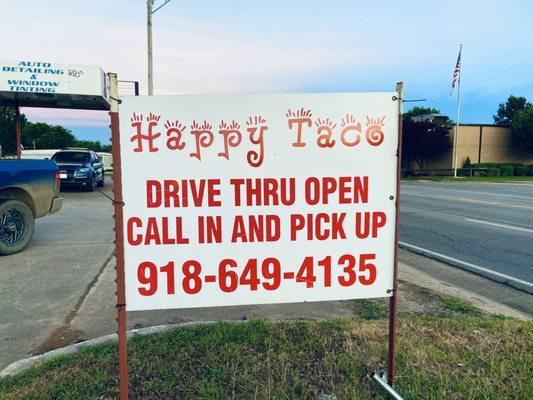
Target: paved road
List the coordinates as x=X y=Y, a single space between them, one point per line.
x=485 y=224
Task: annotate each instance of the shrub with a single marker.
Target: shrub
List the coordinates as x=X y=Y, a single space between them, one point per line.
x=506 y=170
x=493 y=172
x=530 y=171
x=520 y=171
x=497 y=165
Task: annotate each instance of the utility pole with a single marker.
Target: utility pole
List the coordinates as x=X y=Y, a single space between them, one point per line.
x=149 y=12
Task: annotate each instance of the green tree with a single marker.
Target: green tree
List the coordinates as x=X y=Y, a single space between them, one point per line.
x=8 y=138
x=422 y=141
x=46 y=136
x=522 y=129
x=507 y=111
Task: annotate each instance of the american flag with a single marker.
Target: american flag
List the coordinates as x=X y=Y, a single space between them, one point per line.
x=457 y=71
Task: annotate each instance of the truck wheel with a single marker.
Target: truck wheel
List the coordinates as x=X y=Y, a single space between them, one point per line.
x=16 y=226
x=91 y=185
x=101 y=182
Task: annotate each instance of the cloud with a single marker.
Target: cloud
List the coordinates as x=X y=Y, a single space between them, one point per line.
x=256 y=46
x=67 y=117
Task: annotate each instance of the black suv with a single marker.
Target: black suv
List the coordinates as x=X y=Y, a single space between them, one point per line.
x=80 y=167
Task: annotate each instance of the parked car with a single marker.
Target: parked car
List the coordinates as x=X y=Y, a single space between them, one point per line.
x=28 y=190
x=80 y=168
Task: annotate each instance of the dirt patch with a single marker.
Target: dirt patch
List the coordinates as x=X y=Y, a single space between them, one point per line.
x=412 y=300
x=61 y=337
x=415 y=300
x=66 y=335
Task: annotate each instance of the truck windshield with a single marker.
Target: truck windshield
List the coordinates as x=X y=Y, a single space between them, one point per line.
x=71 y=156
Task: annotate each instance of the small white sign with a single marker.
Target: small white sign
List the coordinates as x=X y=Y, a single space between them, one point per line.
x=42 y=83
x=247 y=199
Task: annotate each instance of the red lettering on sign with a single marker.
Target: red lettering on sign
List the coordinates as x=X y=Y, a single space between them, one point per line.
x=231 y=137
x=175 y=132
x=147 y=275
x=203 y=137
x=133 y=222
x=350 y=127
x=345 y=190
x=368 y=223
x=256 y=228
x=210 y=229
x=374 y=134
x=319 y=226
x=256 y=130
x=263 y=191
x=325 y=132
x=153 y=193
x=139 y=137
x=156 y=231
x=171 y=189
x=173 y=193
x=299 y=118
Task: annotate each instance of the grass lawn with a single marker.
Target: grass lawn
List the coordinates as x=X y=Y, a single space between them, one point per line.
x=471 y=179
x=465 y=356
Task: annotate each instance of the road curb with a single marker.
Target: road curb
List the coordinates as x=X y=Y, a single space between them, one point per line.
x=22 y=365
x=466 y=267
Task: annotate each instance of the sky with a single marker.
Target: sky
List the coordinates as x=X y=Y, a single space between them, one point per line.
x=253 y=46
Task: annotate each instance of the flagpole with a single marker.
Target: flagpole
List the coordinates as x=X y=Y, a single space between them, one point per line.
x=456 y=136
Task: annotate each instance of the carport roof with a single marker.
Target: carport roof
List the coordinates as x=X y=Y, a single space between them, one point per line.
x=53 y=100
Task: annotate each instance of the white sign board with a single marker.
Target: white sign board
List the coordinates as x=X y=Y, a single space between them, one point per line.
x=30 y=82
x=249 y=199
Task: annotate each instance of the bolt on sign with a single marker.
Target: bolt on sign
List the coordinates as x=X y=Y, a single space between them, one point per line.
x=254 y=199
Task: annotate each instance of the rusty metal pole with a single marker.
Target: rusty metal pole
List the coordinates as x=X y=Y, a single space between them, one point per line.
x=17 y=130
x=393 y=302
x=149 y=13
x=119 y=239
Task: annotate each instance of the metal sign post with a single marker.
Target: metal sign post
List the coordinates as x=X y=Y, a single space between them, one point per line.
x=119 y=239
x=17 y=130
x=393 y=301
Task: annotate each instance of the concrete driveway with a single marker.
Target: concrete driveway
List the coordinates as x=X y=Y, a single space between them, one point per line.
x=41 y=286
x=61 y=289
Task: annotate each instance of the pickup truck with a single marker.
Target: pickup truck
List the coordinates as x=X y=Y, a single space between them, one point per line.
x=28 y=190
